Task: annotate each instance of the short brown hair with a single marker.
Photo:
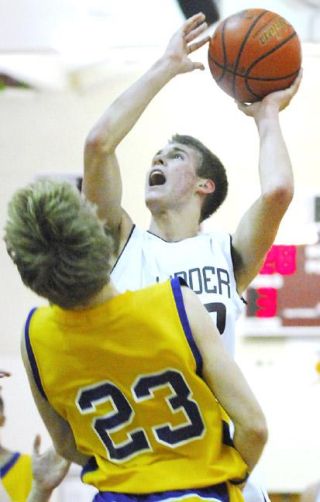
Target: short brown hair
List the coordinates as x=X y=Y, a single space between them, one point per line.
x=59 y=245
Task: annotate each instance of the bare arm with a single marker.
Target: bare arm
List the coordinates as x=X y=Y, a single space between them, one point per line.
x=102 y=180
x=227 y=383
x=59 y=430
x=258 y=227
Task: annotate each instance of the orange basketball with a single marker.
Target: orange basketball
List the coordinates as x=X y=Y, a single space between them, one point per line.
x=254 y=52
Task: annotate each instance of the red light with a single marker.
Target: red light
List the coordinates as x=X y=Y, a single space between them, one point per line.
x=266 y=302
x=281 y=260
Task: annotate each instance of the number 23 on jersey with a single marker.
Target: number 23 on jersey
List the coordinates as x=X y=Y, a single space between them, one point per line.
x=145 y=387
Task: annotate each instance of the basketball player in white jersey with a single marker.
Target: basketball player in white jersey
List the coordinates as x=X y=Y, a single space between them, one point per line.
x=185 y=184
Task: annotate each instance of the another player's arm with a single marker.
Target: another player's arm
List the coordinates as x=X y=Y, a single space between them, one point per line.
x=258 y=227
x=48 y=471
x=102 y=180
x=59 y=430
x=227 y=383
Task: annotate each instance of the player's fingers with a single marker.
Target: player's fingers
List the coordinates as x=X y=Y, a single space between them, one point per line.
x=37 y=444
x=195 y=32
x=247 y=109
x=198 y=66
x=297 y=81
x=242 y=106
x=286 y=95
x=300 y=75
x=196 y=45
x=193 y=22
x=292 y=90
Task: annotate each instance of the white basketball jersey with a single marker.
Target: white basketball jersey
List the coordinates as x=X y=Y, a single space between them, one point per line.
x=203 y=261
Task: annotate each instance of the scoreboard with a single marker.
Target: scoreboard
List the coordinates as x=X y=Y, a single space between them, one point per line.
x=284 y=299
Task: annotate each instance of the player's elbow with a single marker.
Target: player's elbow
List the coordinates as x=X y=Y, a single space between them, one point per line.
x=280 y=196
x=257 y=430
x=99 y=142
x=250 y=437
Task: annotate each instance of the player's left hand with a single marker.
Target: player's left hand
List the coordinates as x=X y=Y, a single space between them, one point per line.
x=183 y=43
x=48 y=468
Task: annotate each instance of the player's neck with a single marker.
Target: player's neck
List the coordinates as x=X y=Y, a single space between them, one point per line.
x=172 y=226
x=106 y=293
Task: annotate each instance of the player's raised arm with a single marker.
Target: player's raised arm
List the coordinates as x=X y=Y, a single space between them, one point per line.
x=102 y=181
x=259 y=225
x=227 y=383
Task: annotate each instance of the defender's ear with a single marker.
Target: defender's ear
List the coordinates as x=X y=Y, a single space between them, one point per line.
x=206 y=186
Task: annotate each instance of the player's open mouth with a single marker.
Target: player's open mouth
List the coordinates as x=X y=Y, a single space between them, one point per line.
x=156 y=178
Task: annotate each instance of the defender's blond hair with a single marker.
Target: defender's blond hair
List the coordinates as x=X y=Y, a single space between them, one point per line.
x=57 y=242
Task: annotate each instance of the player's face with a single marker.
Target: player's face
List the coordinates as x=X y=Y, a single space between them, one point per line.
x=172 y=176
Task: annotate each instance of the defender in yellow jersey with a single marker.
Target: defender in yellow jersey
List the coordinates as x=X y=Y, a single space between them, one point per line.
x=131 y=385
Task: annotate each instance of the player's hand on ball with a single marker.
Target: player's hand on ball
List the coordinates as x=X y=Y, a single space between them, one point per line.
x=183 y=43
x=277 y=100
x=283 y=98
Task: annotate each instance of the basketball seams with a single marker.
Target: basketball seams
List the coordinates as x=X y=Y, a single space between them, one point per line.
x=266 y=54
x=221 y=66
x=224 y=51
x=241 y=48
x=270 y=21
x=270 y=79
x=247 y=81
x=248 y=88
x=253 y=54
x=251 y=77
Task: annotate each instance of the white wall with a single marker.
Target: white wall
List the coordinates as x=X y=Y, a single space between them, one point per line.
x=45 y=132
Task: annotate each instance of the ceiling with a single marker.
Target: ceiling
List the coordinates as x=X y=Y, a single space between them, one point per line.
x=42 y=41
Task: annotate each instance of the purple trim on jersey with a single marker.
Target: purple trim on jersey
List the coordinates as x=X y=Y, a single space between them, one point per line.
x=124 y=247
x=176 y=284
x=226 y=436
x=219 y=492
x=31 y=357
x=90 y=466
x=8 y=465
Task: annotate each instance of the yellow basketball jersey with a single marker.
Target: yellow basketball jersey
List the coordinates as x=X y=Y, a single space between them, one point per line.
x=16 y=476
x=126 y=375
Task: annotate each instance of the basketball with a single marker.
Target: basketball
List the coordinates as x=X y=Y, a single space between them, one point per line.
x=253 y=53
